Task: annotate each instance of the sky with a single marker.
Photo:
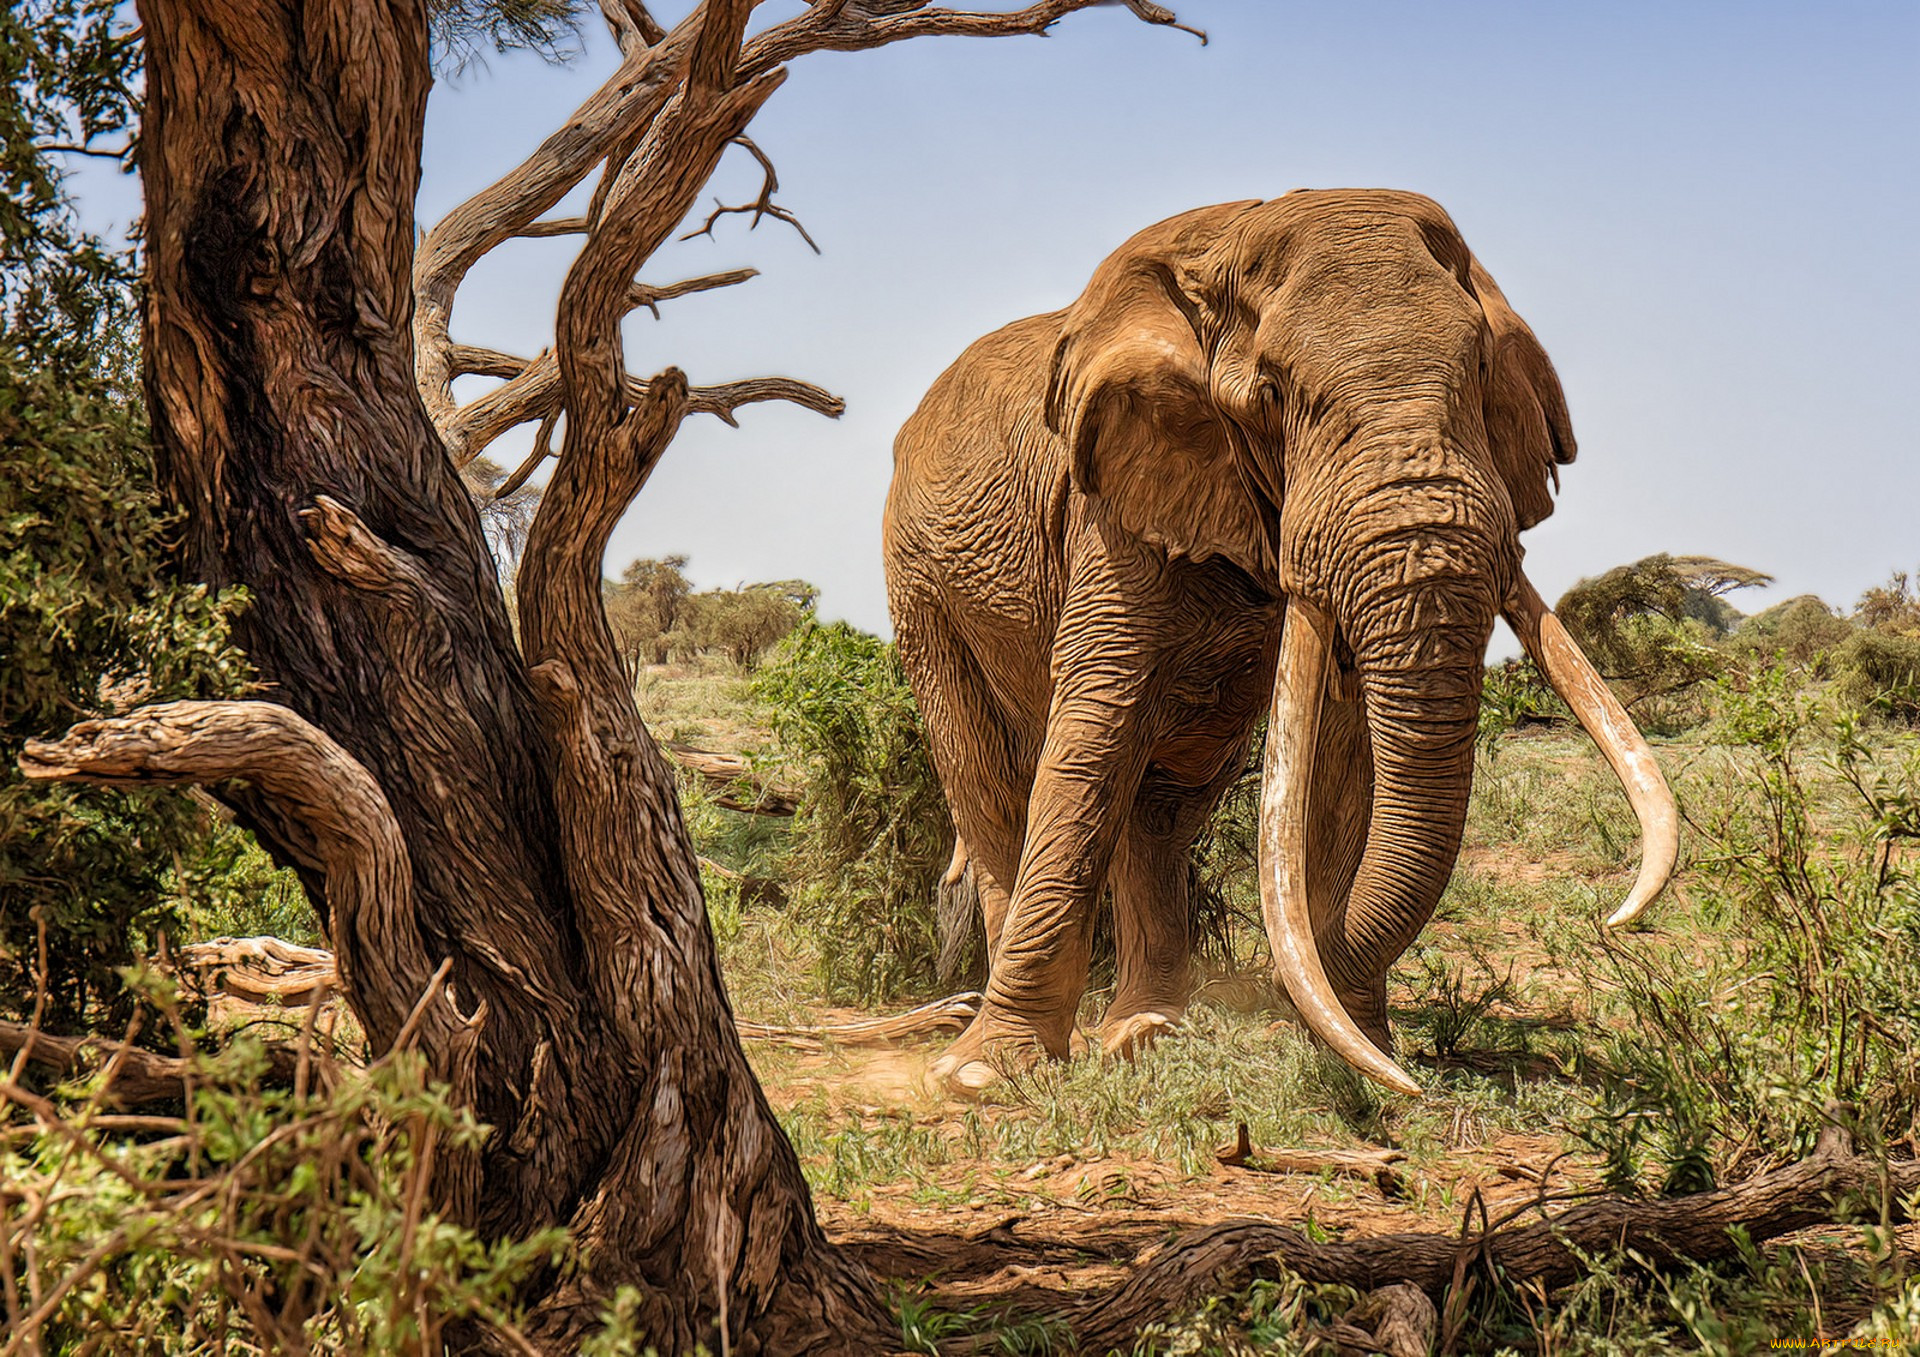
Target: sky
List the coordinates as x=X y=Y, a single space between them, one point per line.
x=1706 y=210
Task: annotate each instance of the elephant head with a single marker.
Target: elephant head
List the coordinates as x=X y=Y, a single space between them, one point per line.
x=1329 y=391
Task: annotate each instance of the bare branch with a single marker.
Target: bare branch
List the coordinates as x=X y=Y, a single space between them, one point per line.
x=722 y=401
x=542 y=449
x=75 y=148
x=383 y=960
x=559 y=226
x=470 y=360
x=632 y=27
x=630 y=99
x=532 y=392
x=763 y=206
x=858 y=25
x=649 y=296
x=649 y=196
x=716 y=51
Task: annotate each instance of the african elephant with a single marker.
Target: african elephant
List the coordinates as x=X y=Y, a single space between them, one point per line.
x=1277 y=455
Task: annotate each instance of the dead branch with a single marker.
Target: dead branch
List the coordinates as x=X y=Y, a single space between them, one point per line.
x=859 y=25
x=942 y=1015
x=138 y=1078
x=318 y=787
x=632 y=27
x=559 y=226
x=1831 y=1185
x=1376 y=1165
x=732 y=779
x=650 y=296
x=761 y=206
x=630 y=99
x=260 y=969
x=609 y=129
x=534 y=393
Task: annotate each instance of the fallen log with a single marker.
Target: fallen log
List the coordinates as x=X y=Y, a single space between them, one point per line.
x=137 y=1078
x=942 y=1015
x=1375 y=1164
x=1828 y=1186
x=261 y=969
x=733 y=782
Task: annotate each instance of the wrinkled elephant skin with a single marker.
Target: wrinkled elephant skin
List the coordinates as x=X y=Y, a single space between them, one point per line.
x=1309 y=425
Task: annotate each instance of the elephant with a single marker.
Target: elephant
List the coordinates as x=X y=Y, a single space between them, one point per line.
x=1276 y=457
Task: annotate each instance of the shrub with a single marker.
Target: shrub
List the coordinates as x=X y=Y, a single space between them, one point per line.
x=1514 y=694
x=1736 y=1053
x=88 y=624
x=1803 y=629
x=1880 y=671
x=267 y=1220
x=872 y=835
x=1893 y=607
x=1650 y=629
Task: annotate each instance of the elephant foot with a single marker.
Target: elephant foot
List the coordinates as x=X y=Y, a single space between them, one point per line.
x=980 y=1057
x=1125 y=1037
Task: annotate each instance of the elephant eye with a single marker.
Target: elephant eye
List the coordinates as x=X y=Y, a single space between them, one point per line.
x=1267 y=392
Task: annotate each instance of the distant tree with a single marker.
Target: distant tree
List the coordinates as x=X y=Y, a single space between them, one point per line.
x=1707 y=580
x=745 y=623
x=1803 y=629
x=506 y=516
x=644 y=607
x=1649 y=626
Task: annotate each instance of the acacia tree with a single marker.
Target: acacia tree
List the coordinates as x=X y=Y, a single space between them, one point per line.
x=460 y=806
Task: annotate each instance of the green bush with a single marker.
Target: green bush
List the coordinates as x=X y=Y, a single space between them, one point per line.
x=89 y=624
x=269 y=1220
x=872 y=835
x=1514 y=694
x=1803 y=629
x=1731 y=1056
x=1880 y=671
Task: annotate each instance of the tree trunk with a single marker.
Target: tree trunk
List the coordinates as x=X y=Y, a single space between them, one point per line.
x=549 y=862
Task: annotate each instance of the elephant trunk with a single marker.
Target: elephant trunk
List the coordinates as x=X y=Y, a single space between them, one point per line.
x=1418 y=638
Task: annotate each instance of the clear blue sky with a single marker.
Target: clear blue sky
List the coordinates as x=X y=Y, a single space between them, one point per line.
x=1707 y=211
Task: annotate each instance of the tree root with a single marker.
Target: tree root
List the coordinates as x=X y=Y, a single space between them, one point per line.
x=1832 y=1184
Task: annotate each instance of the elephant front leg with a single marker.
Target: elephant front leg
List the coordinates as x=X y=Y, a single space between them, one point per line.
x=1088 y=772
x=1153 y=917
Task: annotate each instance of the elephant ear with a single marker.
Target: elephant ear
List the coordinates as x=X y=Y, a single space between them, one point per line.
x=1526 y=411
x=1129 y=395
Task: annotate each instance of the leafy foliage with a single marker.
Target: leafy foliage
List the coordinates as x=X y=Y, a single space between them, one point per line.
x=1515 y=694
x=872 y=835
x=69 y=70
x=90 y=621
x=1741 y=1050
x=1649 y=627
x=265 y=1220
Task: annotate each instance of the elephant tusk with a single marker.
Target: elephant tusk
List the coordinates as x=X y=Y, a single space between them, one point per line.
x=1602 y=717
x=1285 y=786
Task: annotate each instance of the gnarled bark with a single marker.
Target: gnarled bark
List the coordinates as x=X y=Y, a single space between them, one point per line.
x=539 y=843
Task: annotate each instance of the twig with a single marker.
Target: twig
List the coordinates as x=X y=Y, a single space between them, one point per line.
x=762 y=206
